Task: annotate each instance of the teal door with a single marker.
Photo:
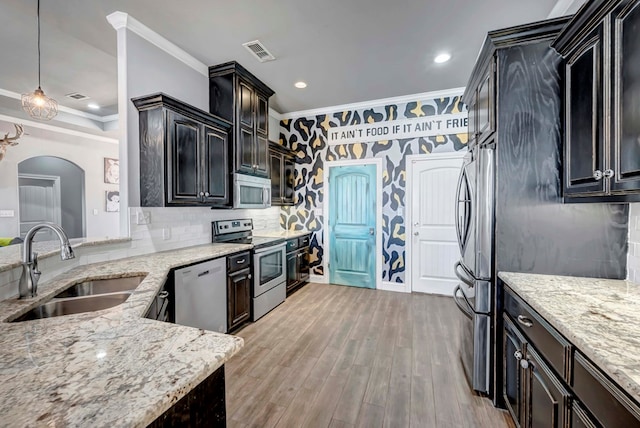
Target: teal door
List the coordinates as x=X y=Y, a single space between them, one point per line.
x=352 y=225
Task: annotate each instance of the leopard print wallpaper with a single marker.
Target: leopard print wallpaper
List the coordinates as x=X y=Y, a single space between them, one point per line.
x=307 y=137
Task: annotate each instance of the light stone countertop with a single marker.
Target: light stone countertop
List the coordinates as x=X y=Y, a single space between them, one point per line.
x=286 y=234
x=111 y=367
x=11 y=256
x=601 y=317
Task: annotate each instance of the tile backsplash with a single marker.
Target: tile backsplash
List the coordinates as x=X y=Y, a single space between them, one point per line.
x=167 y=229
x=633 y=254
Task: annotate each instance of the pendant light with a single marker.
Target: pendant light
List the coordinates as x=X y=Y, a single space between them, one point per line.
x=37 y=104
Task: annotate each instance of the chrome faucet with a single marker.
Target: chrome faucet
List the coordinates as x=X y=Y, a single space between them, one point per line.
x=28 y=284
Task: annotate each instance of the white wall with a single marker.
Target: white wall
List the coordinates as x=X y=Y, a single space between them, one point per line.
x=87 y=153
x=633 y=253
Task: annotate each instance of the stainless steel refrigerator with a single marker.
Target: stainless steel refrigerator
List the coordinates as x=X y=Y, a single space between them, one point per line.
x=510 y=212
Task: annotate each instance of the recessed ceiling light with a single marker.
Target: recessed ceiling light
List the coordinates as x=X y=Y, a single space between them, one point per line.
x=443 y=57
x=93 y=106
x=300 y=85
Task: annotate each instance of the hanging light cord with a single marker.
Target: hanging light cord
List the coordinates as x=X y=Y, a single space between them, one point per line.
x=38 y=13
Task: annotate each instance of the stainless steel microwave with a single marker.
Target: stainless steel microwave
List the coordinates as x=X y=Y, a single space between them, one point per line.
x=251 y=192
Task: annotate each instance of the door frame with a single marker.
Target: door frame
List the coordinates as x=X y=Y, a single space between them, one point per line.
x=325 y=213
x=411 y=159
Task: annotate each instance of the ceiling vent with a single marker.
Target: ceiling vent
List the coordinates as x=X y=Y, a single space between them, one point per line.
x=77 y=96
x=258 y=50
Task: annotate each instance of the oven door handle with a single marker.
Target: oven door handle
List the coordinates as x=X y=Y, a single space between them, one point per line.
x=462 y=302
x=271 y=249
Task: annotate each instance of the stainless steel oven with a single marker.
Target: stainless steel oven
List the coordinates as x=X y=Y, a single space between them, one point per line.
x=270 y=277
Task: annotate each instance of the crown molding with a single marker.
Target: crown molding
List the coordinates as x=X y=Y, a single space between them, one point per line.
x=119 y=20
x=375 y=103
x=274 y=114
x=561 y=7
x=60 y=130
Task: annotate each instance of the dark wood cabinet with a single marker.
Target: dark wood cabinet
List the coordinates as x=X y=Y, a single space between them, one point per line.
x=282 y=168
x=541 y=390
x=238 y=290
x=601 y=88
x=481 y=104
x=297 y=262
x=238 y=96
x=183 y=154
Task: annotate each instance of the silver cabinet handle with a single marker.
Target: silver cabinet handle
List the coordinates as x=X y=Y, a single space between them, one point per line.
x=241 y=261
x=163 y=294
x=597 y=174
x=524 y=364
x=517 y=355
x=608 y=173
x=249 y=276
x=525 y=321
x=207 y=194
x=201 y=193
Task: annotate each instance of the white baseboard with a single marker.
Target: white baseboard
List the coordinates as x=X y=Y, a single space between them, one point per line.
x=395 y=286
x=322 y=279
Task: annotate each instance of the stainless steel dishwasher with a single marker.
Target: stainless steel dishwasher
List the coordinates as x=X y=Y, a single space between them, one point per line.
x=201 y=295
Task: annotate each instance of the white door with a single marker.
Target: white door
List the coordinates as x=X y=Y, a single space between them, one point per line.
x=434 y=245
x=39 y=197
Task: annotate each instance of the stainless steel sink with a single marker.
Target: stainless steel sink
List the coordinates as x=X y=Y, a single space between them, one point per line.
x=101 y=286
x=76 y=305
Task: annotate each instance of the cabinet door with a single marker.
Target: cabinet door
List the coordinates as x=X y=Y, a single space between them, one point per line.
x=292 y=270
x=261 y=155
x=303 y=265
x=216 y=166
x=547 y=401
x=625 y=109
x=275 y=169
x=473 y=123
x=584 y=137
x=512 y=374
x=262 y=115
x=183 y=158
x=288 y=181
x=245 y=150
x=239 y=298
x=485 y=106
x=246 y=104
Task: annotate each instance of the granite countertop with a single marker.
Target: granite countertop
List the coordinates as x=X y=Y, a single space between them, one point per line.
x=11 y=256
x=111 y=367
x=601 y=317
x=286 y=234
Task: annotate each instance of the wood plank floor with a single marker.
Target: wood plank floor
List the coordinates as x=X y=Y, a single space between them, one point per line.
x=334 y=356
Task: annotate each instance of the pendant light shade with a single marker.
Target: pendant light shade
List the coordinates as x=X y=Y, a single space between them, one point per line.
x=36 y=103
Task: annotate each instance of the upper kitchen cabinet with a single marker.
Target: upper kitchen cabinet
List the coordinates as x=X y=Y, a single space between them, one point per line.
x=601 y=92
x=480 y=99
x=282 y=166
x=183 y=154
x=239 y=97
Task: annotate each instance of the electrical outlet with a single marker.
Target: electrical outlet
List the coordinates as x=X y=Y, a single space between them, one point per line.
x=7 y=213
x=143 y=217
x=166 y=233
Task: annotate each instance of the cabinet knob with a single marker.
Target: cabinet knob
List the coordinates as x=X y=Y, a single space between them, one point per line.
x=249 y=276
x=524 y=364
x=207 y=194
x=597 y=174
x=518 y=355
x=608 y=173
x=201 y=193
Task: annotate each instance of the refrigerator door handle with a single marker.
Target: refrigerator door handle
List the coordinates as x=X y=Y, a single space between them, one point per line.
x=466 y=277
x=457 y=212
x=462 y=302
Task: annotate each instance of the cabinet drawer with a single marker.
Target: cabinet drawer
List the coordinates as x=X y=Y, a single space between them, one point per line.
x=303 y=241
x=238 y=261
x=608 y=404
x=546 y=339
x=292 y=244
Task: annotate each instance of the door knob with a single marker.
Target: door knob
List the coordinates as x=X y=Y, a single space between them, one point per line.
x=416 y=233
x=416 y=224
x=371 y=231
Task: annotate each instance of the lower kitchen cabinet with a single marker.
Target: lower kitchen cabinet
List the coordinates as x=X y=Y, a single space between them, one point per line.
x=546 y=388
x=203 y=406
x=238 y=290
x=297 y=262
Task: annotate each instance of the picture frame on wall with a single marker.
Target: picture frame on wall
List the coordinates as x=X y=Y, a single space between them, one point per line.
x=112 y=201
x=111 y=171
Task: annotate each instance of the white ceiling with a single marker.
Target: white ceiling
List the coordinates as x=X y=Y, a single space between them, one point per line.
x=346 y=50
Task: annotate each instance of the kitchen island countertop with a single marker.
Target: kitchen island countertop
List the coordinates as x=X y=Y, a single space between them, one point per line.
x=111 y=367
x=601 y=317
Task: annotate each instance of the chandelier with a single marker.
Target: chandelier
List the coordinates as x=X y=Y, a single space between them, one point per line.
x=36 y=103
